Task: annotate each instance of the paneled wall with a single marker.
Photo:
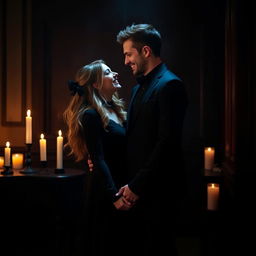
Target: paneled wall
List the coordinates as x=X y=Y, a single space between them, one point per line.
x=15 y=75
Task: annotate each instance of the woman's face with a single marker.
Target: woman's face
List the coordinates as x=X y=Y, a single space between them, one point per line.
x=110 y=82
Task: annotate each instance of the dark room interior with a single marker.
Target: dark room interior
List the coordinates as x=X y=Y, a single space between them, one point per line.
x=210 y=44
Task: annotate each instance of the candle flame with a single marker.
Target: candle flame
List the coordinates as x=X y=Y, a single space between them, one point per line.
x=42 y=136
x=209 y=149
x=7 y=144
x=213 y=185
x=28 y=113
x=60 y=133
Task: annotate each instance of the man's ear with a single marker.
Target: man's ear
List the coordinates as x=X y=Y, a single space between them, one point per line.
x=146 y=50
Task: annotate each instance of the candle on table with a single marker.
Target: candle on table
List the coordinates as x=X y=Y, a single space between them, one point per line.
x=208 y=158
x=1 y=162
x=17 y=161
x=60 y=151
x=7 y=154
x=43 y=148
x=213 y=191
x=28 y=128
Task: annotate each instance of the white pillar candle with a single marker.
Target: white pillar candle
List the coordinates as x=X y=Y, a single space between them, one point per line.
x=1 y=162
x=213 y=191
x=42 y=142
x=28 y=128
x=7 y=154
x=17 y=161
x=60 y=151
x=208 y=158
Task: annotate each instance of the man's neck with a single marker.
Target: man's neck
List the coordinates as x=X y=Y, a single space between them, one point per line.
x=152 y=64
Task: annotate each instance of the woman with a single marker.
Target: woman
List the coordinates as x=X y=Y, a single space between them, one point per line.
x=95 y=118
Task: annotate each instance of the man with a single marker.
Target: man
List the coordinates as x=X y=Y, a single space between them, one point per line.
x=154 y=137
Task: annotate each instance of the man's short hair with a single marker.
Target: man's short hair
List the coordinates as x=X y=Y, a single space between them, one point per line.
x=141 y=35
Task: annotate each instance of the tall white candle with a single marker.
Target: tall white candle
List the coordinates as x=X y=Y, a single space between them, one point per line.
x=60 y=151
x=42 y=142
x=1 y=162
x=209 y=158
x=7 y=154
x=213 y=191
x=28 y=128
x=17 y=161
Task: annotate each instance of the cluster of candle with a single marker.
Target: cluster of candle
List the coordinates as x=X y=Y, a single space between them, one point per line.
x=17 y=159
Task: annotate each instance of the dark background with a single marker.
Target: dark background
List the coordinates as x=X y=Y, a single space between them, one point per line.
x=209 y=44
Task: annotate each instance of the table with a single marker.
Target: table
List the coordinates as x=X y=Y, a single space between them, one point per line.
x=40 y=212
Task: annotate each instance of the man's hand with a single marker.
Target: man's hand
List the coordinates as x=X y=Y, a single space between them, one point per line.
x=128 y=194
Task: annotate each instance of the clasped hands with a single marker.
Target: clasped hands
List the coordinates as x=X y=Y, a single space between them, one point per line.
x=127 y=199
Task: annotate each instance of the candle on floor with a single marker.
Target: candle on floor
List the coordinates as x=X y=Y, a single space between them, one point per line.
x=209 y=158
x=60 y=151
x=17 y=161
x=213 y=191
x=28 y=128
x=7 y=154
x=43 y=155
x=1 y=162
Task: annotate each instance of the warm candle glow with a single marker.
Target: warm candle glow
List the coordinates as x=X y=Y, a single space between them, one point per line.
x=42 y=143
x=209 y=158
x=1 y=162
x=28 y=128
x=60 y=151
x=7 y=154
x=213 y=191
x=17 y=161
x=28 y=113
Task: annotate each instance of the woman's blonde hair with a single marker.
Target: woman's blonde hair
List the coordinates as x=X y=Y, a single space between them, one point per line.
x=90 y=98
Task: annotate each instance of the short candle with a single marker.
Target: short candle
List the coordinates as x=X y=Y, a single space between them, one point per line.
x=1 y=162
x=213 y=191
x=208 y=158
x=17 y=161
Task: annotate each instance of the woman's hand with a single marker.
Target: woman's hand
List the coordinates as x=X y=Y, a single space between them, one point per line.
x=122 y=204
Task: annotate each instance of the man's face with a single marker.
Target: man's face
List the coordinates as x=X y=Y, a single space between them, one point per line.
x=134 y=59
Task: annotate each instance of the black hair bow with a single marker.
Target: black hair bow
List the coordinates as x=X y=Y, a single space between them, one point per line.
x=74 y=87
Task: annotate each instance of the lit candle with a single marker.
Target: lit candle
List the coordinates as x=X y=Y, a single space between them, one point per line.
x=17 y=161
x=28 y=128
x=213 y=191
x=7 y=154
x=42 y=148
x=60 y=151
x=208 y=158
x=1 y=162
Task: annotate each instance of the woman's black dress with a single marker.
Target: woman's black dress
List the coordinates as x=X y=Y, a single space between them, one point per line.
x=107 y=151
